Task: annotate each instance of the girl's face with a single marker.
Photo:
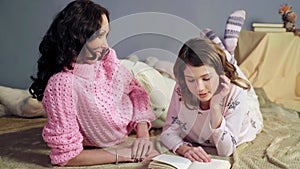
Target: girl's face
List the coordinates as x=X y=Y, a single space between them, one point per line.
x=202 y=81
x=96 y=46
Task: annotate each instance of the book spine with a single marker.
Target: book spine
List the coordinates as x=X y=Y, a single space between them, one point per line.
x=271 y=25
x=266 y=29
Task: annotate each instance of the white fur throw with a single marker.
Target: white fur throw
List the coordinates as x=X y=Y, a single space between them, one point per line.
x=19 y=102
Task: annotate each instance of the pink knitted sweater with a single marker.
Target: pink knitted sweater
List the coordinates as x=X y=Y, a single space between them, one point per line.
x=92 y=105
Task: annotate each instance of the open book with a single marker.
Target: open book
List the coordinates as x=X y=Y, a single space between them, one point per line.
x=165 y=161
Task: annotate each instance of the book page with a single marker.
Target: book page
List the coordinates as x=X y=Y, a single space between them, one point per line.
x=159 y=165
x=214 y=164
x=173 y=160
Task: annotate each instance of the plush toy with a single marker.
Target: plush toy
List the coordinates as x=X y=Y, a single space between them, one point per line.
x=164 y=67
x=19 y=102
x=288 y=17
x=159 y=87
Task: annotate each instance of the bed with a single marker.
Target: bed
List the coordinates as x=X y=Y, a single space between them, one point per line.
x=277 y=146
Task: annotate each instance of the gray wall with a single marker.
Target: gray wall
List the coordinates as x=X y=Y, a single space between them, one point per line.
x=134 y=30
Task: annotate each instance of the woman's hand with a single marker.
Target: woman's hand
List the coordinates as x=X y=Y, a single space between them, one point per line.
x=193 y=153
x=142 y=146
x=141 y=149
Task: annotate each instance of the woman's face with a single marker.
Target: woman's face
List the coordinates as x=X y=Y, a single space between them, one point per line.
x=96 y=47
x=202 y=81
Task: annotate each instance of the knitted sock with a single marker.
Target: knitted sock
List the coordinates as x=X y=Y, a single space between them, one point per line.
x=210 y=34
x=233 y=27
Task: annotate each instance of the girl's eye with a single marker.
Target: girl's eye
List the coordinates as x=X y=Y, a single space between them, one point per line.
x=191 y=80
x=206 y=79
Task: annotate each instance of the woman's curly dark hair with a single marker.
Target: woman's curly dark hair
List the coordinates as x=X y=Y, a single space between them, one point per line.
x=64 y=40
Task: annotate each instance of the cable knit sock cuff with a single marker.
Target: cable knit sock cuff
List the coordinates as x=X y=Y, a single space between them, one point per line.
x=210 y=34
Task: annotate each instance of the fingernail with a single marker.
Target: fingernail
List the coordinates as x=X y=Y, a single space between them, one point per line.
x=136 y=160
x=141 y=159
x=133 y=156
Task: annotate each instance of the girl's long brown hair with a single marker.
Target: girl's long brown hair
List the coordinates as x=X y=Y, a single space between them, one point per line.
x=199 y=52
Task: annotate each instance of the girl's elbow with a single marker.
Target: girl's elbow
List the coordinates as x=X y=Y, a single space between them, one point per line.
x=225 y=153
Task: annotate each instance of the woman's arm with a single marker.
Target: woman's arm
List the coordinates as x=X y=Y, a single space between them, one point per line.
x=142 y=130
x=142 y=146
x=100 y=156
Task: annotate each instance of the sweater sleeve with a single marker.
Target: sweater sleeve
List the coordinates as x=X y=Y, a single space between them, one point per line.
x=138 y=95
x=226 y=136
x=172 y=135
x=141 y=104
x=61 y=132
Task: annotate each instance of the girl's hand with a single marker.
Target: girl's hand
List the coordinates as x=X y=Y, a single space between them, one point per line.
x=196 y=154
x=217 y=102
x=223 y=90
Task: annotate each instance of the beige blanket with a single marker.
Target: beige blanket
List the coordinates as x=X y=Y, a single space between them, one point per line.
x=272 y=61
x=277 y=146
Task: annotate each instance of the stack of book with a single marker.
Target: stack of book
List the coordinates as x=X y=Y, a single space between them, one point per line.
x=268 y=27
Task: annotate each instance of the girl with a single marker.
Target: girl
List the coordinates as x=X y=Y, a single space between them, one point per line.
x=91 y=100
x=210 y=104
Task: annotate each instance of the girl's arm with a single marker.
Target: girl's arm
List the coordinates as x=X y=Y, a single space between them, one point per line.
x=226 y=135
x=171 y=136
x=217 y=102
x=193 y=153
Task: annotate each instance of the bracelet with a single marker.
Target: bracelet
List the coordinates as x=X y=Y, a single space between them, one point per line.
x=117 y=157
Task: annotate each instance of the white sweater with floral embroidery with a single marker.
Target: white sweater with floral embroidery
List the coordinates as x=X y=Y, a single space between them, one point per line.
x=239 y=123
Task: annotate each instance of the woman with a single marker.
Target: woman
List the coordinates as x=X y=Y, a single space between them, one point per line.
x=92 y=102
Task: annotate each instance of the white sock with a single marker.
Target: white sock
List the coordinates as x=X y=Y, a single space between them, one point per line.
x=210 y=34
x=233 y=28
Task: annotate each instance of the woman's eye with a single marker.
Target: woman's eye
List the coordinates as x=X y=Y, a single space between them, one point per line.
x=191 y=81
x=206 y=79
x=101 y=35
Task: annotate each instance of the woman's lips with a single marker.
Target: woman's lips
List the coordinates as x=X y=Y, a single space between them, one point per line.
x=98 y=54
x=202 y=95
